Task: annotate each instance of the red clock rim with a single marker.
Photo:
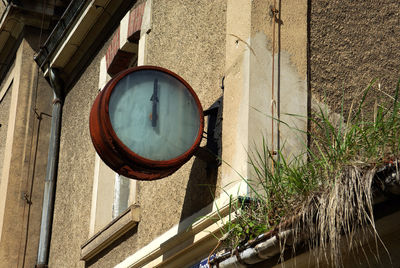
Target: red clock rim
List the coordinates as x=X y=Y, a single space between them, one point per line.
x=125 y=150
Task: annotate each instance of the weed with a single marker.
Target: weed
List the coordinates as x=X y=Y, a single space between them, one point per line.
x=325 y=195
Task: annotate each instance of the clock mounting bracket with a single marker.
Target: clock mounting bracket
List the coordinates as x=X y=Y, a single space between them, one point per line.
x=211 y=152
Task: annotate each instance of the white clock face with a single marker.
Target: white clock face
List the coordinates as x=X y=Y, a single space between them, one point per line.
x=154 y=115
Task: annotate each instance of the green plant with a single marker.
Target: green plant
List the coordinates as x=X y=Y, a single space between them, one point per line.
x=326 y=194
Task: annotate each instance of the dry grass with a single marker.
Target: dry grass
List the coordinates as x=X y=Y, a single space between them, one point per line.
x=333 y=217
x=326 y=199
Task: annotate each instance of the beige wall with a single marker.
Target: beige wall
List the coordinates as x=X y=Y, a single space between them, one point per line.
x=75 y=172
x=5 y=102
x=290 y=81
x=24 y=161
x=203 y=41
x=351 y=43
x=248 y=96
x=189 y=39
x=2 y=7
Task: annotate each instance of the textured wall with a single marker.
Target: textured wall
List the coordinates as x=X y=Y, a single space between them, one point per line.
x=2 y=7
x=188 y=38
x=4 y=113
x=75 y=174
x=351 y=43
x=25 y=163
x=251 y=63
x=290 y=68
x=354 y=41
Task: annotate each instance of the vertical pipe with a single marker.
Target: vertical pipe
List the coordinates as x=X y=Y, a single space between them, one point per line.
x=273 y=102
x=29 y=200
x=51 y=173
x=278 y=145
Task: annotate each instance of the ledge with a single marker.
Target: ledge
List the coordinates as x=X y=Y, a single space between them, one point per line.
x=114 y=230
x=190 y=239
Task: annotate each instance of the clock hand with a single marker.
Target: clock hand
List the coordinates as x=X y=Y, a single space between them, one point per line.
x=154 y=99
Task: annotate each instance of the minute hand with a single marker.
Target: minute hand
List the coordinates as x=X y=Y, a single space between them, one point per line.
x=154 y=99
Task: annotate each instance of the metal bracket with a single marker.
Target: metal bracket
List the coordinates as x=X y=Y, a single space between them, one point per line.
x=211 y=153
x=207 y=156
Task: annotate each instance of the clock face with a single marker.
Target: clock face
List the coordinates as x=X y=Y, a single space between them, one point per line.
x=154 y=114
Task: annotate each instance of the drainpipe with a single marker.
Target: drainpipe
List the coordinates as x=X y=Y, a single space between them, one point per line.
x=51 y=172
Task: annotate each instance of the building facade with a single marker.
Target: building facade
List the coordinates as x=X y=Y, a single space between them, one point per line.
x=61 y=206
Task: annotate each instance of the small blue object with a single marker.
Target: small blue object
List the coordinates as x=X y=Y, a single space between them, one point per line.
x=203 y=263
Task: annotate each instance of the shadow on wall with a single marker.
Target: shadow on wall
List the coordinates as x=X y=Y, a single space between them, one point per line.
x=200 y=190
x=201 y=187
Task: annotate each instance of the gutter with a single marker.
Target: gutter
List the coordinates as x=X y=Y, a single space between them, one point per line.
x=262 y=251
x=60 y=30
x=51 y=172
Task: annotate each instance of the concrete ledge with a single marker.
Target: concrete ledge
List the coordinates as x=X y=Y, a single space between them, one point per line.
x=114 y=230
x=190 y=239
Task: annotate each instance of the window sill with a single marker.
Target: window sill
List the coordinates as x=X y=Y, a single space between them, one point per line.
x=114 y=230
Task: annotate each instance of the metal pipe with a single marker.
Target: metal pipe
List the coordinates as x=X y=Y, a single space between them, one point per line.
x=273 y=101
x=28 y=196
x=51 y=172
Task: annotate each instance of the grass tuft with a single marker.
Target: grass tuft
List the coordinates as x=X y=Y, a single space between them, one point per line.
x=325 y=195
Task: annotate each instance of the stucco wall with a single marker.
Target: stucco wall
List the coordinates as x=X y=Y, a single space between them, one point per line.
x=290 y=82
x=75 y=173
x=2 y=7
x=250 y=65
x=351 y=43
x=24 y=161
x=177 y=41
x=4 y=114
x=189 y=39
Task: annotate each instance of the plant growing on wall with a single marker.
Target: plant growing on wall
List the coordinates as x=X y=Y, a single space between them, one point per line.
x=326 y=196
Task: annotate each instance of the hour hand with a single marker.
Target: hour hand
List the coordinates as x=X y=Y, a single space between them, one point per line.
x=154 y=99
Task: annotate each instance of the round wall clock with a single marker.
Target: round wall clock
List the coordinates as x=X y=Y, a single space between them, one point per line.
x=146 y=123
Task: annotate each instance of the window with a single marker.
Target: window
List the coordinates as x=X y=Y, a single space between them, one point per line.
x=112 y=193
x=124 y=195
x=114 y=209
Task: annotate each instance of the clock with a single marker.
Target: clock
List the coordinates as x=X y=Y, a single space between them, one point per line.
x=146 y=123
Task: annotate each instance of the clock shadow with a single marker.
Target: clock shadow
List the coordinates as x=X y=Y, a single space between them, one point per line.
x=200 y=192
x=200 y=189
x=203 y=178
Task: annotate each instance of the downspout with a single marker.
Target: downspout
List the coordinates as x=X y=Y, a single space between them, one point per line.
x=51 y=172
